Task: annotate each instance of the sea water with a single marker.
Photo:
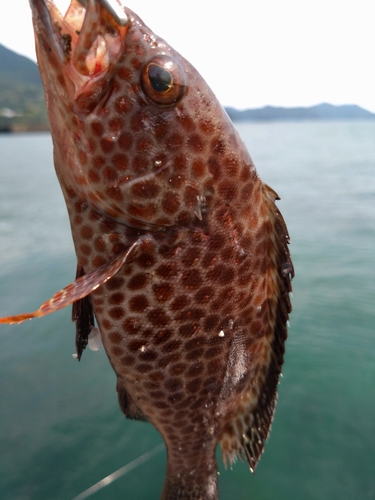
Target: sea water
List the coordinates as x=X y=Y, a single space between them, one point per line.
x=61 y=429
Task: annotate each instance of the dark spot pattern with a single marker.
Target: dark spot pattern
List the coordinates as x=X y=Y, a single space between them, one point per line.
x=194 y=321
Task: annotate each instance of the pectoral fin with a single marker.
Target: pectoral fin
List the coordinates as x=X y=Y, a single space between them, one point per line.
x=80 y=288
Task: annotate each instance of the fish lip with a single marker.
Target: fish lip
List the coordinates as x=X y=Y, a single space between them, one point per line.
x=41 y=10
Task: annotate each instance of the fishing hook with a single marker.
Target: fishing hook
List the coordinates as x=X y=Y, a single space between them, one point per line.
x=114 y=8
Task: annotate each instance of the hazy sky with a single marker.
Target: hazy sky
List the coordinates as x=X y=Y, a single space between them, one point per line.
x=253 y=53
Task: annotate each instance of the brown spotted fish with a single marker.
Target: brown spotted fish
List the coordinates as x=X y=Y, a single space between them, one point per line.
x=182 y=254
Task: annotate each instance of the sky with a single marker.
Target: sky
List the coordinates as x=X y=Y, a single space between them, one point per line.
x=253 y=53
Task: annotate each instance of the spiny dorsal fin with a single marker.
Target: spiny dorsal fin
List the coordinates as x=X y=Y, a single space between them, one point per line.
x=245 y=436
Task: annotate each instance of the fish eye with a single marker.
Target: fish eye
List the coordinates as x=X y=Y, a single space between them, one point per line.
x=163 y=80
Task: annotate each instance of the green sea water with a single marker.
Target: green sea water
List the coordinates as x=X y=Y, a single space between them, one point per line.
x=61 y=429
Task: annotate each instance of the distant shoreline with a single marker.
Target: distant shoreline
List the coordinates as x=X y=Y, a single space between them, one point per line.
x=320 y=112
x=22 y=106
x=22 y=129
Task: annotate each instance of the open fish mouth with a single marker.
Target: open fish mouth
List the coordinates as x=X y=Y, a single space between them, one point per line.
x=92 y=108
x=86 y=41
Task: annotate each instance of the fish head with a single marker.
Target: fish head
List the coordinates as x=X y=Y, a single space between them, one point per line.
x=134 y=125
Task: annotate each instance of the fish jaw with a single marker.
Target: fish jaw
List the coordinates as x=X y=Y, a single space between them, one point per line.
x=77 y=56
x=115 y=140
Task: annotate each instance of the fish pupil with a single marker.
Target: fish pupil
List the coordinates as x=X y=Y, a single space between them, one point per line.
x=160 y=79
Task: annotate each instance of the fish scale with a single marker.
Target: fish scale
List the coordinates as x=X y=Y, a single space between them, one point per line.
x=182 y=254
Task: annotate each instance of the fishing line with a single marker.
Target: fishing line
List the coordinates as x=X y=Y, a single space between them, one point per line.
x=120 y=472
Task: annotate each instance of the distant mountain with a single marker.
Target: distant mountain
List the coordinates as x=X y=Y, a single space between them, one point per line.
x=22 y=104
x=319 y=112
x=15 y=66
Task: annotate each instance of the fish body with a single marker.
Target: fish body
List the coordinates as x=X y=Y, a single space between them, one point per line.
x=182 y=255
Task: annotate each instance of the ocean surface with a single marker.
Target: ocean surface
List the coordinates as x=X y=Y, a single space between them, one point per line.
x=61 y=429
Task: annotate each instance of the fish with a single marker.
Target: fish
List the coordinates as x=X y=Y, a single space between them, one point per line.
x=183 y=263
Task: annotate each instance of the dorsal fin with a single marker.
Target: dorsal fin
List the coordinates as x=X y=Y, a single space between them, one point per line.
x=246 y=434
